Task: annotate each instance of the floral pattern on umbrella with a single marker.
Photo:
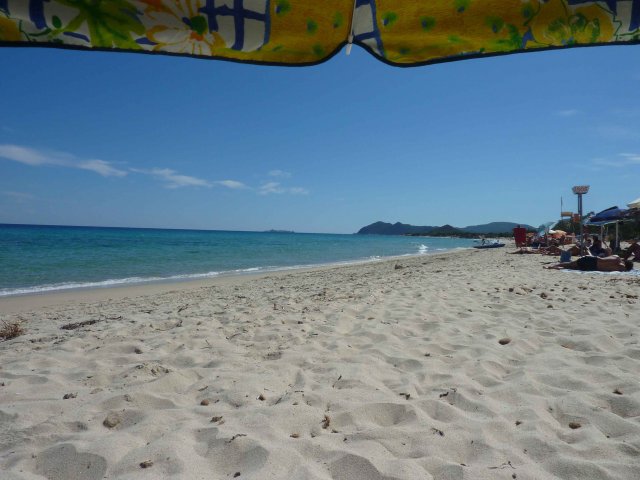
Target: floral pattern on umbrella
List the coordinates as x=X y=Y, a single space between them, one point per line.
x=301 y=32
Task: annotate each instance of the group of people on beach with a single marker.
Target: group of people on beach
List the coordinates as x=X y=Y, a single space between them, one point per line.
x=599 y=257
x=594 y=255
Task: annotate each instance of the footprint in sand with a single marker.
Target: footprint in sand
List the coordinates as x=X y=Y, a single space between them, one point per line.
x=64 y=462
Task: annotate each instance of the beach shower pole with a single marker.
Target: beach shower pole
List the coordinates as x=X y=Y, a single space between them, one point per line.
x=581 y=190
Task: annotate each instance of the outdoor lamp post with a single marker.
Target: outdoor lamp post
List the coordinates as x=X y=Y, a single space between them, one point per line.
x=581 y=190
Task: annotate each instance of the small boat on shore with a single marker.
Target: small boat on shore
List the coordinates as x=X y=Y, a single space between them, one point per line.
x=489 y=244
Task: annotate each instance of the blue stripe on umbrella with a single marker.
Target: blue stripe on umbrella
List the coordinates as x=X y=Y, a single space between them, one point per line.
x=239 y=14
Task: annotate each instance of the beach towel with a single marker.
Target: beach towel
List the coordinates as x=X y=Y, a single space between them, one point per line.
x=630 y=273
x=520 y=236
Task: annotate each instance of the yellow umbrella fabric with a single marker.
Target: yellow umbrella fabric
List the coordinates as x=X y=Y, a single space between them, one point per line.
x=306 y=32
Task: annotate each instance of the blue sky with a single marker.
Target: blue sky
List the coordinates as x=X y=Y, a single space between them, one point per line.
x=91 y=138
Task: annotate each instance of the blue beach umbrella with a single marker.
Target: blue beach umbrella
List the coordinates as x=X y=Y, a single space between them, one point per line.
x=610 y=215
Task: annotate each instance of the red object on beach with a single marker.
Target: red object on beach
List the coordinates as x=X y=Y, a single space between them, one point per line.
x=520 y=235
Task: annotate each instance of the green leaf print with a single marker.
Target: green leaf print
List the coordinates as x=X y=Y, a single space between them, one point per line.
x=512 y=42
x=462 y=5
x=199 y=24
x=389 y=19
x=283 y=7
x=110 y=22
x=528 y=10
x=338 y=20
x=427 y=23
x=494 y=23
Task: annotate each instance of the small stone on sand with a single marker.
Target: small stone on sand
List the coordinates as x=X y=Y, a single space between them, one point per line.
x=504 y=341
x=146 y=464
x=111 y=421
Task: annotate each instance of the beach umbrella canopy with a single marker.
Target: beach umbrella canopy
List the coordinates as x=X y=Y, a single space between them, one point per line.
x=610 y=215
x=544 y=228
x=557 y=233
x=634 y=204
x=305 y=32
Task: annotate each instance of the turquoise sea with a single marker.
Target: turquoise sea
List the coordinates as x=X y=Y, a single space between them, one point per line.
x=37 y=258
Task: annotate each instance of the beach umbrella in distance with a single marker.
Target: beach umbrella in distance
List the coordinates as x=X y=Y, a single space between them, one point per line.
x=544 y=228
x=610 y=215
x=634 y=204
x=307 y=32
x=557 y=233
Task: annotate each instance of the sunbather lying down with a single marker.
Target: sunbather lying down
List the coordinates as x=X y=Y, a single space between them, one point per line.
x=595 y=264
x=551 y=250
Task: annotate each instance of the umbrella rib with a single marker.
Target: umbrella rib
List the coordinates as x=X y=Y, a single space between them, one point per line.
x=350 y=37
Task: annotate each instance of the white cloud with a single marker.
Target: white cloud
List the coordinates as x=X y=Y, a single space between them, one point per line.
x=19 y=196
x=34 y=158
x=270 y=187
x=101 y=167
x=279 y=174
x=568 y=113
x=233 y=184
x=170 y=177
x=24 y=155
x=275 y=187
x=631 y=158
x=621 y=161
x=173 y=179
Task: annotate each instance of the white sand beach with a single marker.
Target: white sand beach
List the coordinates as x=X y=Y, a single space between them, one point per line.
x=385 y=370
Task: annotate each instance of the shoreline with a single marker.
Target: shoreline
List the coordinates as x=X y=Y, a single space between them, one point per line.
x=22 y=301
x=97 y=260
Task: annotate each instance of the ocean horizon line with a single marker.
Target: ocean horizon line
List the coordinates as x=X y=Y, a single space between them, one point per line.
x=273 y=230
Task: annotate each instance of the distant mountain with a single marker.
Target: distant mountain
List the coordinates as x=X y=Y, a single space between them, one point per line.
x=383 y=228
x=495 y=227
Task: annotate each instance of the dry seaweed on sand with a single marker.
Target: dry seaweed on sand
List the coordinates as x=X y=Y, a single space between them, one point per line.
x=75 y=325
x=9 y=330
